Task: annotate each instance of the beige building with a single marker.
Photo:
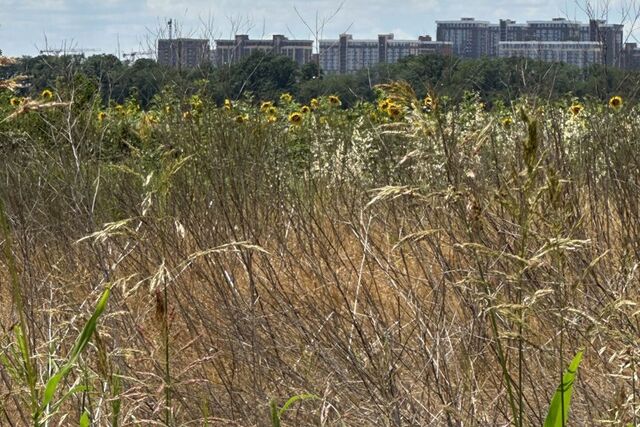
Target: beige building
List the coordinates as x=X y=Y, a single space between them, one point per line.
x=580 y=54
x=233 y=51
x=347 y=55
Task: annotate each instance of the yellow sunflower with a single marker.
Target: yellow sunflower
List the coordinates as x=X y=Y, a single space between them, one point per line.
x=228 y=105
x=15 y=101
x=47 y=94
x=101 y=116
x=305 y=109
x=394 y=110
x=266 y=106
x=384 y=104
x=334 y=101
x=615 y=102
x=286 y=98
x=295 y=118
x=272 y=119
x=575 y=109
x=506 y=121
x=242 y=118
x=314 y=103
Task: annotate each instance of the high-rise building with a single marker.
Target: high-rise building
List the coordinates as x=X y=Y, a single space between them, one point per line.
x=233 y=51
x=556 y=30
x=469 y=38
x=183 y=53
x=473 y=39
x=397 y=49
x=611 y=38
x=631 y=56
x=578 y=53
x=347 y=55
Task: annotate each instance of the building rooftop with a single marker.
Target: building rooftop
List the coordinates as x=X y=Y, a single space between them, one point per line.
x=555 y=21
x=185 y=39
x=464 y=20
x=561 y=43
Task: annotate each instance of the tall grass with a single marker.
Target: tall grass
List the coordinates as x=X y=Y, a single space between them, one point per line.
x=435 y=267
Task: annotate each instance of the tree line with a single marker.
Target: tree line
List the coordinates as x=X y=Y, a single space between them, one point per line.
x=263 y=76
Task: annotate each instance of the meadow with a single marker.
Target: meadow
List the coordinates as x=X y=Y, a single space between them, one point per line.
x=408 y=261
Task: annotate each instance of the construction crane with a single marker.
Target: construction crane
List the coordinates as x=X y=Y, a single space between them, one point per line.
x=57 y=52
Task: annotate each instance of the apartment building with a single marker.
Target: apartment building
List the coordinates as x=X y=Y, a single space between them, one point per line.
x=183 y=52
x=233 y=51
x=611 y=38
x=631 y=56
x=473 y=39
x=469 y=38
x=555 y=30
x=578 y=53
x=347 y=55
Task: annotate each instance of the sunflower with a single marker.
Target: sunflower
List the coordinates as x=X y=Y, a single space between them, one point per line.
x=47 y=94
x=575 y=109
x=314 y=103
x=228 y=105
x=394 y=110
x=242 y=118
x=334 y=101
x=186 y=115
x=272 y=111
x=615 y=102
x=266 y=106
x=272 y=119
x=305 y=109
x=101 y=116
x=384 y=104
x=295 y=118
x=506 y=121
x=286 y=98
x=428 y=102
x=15 y=101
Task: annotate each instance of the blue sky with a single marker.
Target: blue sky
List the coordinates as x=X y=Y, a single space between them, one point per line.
x=29 y=25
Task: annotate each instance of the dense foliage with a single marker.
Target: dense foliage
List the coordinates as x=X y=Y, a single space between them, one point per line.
x=265 y=76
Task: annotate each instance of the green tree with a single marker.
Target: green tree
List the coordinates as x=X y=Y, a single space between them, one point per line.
x=263 y=75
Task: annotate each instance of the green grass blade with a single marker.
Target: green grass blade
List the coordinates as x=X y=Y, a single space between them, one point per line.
x=81 y=343
x=85 y=421
x=117 y=402
x=275 y=415
x=293 y=400
x=51 y=387
x=89 y=328
x=559 y=407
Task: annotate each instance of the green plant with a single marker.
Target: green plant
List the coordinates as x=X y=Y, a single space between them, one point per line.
x=45 y=410
x=277 y=413
x=560 y=403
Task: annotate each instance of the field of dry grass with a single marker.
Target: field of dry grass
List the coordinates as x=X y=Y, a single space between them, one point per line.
x=439 y=266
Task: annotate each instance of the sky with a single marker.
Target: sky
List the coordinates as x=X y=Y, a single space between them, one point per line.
x=125 y=26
